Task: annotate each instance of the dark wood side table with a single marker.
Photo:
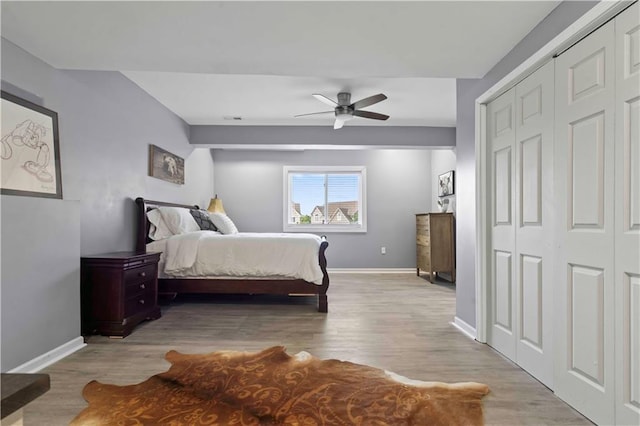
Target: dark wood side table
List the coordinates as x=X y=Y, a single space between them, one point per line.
x=118 y=291
x=17 y=391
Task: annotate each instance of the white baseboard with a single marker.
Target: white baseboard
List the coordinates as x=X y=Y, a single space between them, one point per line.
x=464 y=327
x=50 y=357
x=371 y=270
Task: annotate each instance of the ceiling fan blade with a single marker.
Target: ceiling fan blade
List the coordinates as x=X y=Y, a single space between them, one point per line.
x=368 y=101
x=369 y=114
x=338 y=124
x=315 y=113
x=324 y=99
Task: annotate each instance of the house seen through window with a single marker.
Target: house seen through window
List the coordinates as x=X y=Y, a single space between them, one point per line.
x=324 y=199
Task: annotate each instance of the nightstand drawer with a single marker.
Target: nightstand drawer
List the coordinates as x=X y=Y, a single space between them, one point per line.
x=138 y=275
x=139 y=303
x=139 y=287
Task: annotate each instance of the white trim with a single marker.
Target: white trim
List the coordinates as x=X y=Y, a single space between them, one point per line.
x=371 y=270
x=50 y=357
x=481 y=230
x=596 y=16
x=464 y=327
x=316 y=147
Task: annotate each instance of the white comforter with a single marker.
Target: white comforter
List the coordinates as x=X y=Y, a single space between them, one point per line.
x=246 y=254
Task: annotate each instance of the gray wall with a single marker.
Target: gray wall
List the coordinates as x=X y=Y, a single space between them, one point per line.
x=40 y=277
x=106 y=124
x=250 y=183
x=374 y=136
x=468 y=91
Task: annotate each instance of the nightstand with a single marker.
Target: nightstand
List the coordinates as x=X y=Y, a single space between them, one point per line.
x=118 y=291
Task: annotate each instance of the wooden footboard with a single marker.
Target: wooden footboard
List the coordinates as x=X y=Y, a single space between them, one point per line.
x=174 y=286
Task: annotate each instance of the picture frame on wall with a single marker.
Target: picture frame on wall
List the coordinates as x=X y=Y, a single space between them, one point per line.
x=446 y=184
x=165 y=165
x=30 y=149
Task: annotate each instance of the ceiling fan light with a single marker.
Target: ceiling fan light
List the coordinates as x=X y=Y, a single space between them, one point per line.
x=344 y=116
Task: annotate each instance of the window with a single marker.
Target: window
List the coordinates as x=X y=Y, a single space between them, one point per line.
x=324 y=199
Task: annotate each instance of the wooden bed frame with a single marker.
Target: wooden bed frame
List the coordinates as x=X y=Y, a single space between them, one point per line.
x=171 y=287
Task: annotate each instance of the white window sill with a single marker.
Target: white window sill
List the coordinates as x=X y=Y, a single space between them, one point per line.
x=325 y=229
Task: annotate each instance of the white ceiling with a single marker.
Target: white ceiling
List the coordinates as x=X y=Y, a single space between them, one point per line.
x=262 y=60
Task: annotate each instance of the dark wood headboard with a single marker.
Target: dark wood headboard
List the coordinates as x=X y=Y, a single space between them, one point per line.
x=142 y=235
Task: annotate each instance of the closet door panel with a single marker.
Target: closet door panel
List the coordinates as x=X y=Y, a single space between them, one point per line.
x=627 y=216
x=583 y=173
x=586 y=163
x=531 y=180
x=586 y=329
x=534 y=230
x=531 y=290
x=631 y=156
x=501 y=295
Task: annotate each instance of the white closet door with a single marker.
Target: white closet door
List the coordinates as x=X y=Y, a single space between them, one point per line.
x=584 y=164
x=627 y=217
x=501 y=292
x=534 y=230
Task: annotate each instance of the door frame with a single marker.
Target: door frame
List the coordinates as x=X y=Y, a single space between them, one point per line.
x=592 y=19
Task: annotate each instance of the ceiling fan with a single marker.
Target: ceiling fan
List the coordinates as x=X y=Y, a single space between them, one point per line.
x=344 y=110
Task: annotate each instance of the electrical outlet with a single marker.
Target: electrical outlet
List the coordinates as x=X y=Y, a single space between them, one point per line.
x=383 y=250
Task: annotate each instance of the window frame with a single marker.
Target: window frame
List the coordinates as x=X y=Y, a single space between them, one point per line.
x=326 y=228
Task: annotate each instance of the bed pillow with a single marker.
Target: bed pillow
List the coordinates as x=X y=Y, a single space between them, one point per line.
x=158 y=229
x=223 y=223
x=178 y=220
x=203 y=220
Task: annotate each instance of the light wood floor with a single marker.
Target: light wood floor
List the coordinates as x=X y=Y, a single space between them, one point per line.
x=397 y=322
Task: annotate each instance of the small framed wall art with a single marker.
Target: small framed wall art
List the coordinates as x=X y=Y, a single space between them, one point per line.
x=446 y=185
x=30 y=149
x=165 y=165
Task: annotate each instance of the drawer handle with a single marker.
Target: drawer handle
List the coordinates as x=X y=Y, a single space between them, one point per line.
x=142 y=286
x=141 y=301
x=143 y=274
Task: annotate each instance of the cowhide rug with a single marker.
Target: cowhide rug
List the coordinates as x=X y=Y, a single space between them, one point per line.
x=274 y=388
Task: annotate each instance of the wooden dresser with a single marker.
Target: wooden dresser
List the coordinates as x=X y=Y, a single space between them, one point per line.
x=118 y=291
x=435 y=244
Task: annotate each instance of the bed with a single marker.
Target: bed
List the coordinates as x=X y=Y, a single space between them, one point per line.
x=170 y=287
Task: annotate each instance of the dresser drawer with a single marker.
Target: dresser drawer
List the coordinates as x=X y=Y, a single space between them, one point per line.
x=422 y=240
x=422 y=230
x=422 y=220
x=423 y=254
x=135 y=276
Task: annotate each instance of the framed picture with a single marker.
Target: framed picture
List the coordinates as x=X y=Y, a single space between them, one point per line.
x=30 y=149
x=165 y=165
x=445 y=184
